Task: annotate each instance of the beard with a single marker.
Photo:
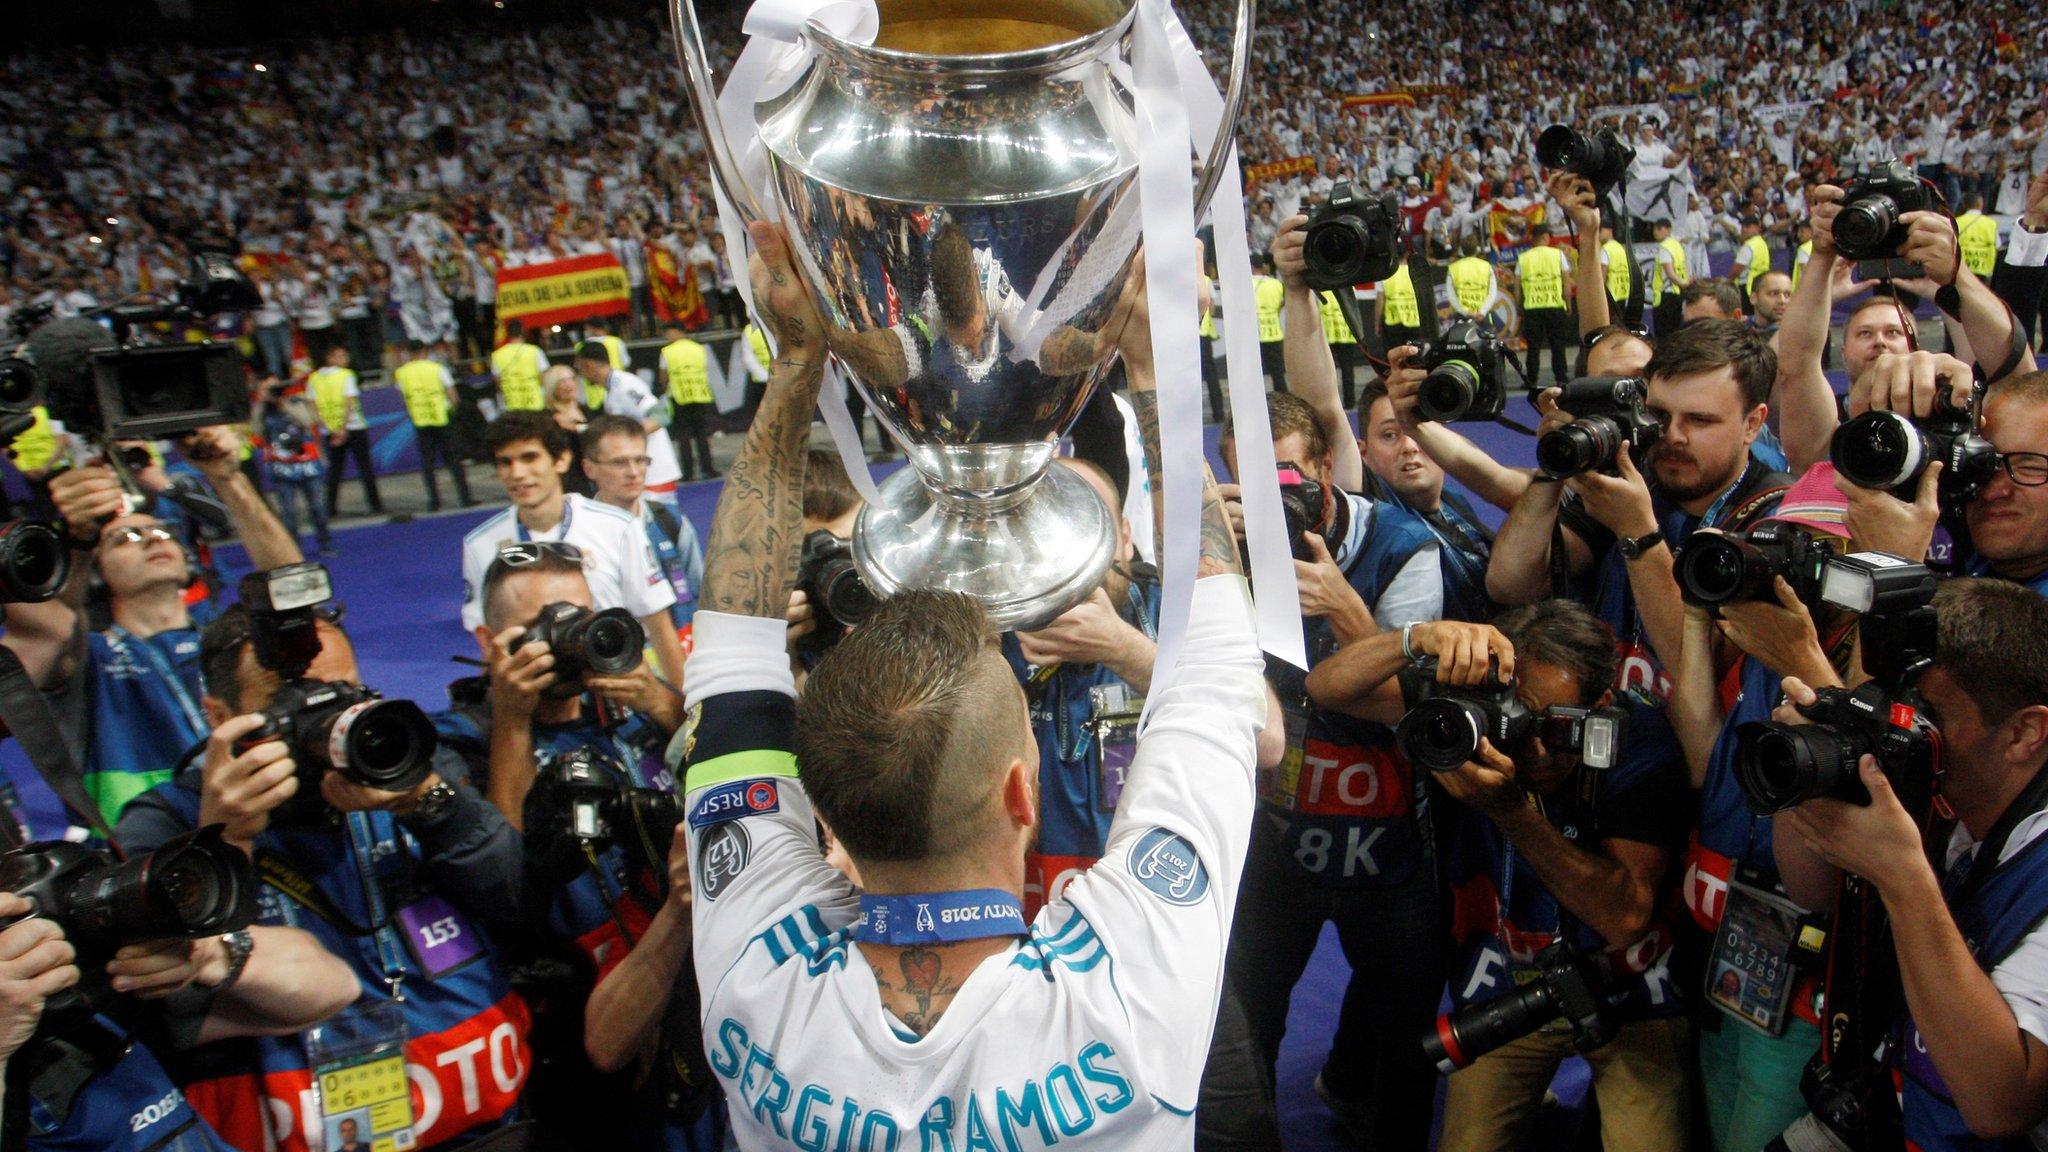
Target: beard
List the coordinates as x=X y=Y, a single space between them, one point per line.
x=1705 y=480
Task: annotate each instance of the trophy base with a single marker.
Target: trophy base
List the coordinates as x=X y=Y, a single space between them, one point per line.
x=1027 y=555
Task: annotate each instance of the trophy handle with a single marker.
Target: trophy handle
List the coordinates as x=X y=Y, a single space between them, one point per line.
x=725 y=168
x=1233 y=101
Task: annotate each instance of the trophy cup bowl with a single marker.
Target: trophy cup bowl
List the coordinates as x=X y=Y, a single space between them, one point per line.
x=960 y=197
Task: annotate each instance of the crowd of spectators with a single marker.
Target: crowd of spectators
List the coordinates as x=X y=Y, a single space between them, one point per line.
x=378 y=183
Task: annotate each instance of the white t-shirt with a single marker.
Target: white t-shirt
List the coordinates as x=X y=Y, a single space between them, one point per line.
x=1090 y=1032
x=626 y=394
x=617 y=558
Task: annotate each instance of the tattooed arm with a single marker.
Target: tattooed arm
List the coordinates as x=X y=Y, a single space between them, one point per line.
x=758 y=528
x=1219 y=544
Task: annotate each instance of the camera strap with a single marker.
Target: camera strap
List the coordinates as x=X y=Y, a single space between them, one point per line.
x=274 y=869
x=30 y=721
x=2032 y=799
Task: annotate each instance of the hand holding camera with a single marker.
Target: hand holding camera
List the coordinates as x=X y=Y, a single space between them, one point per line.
x=1881 y=522
x=520 y=672
x=36 y=963
x=1404 y=384
x=1620 y=501
x=1465 y=654
x=1289 y=260
x=1581 y=204
x=642 y=691
x=1780 y=631
x=1912 y=384
x=1090 y=632
x=159 y=968
x=1607 y=423
x=1877 y=840
x=86 y=498
x=241 y=784
x=1486 y=783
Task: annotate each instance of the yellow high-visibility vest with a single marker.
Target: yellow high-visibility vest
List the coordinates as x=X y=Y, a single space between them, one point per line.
x=1398 y=305
x=1759 y=263
x=758 y=340
x=689 y=382
x=1336 y=329
x=1620 y=285
x=616 y=349
x=1977 y=236
x=518 y=377
x=1659 y=287
x=426 y=399
x=1268 y=295
x=1471 y=283
x=1541 y=271
x=330 y=396
x=35 y=447
x=1799 y=260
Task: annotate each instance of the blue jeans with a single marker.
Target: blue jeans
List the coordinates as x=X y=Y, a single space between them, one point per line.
x=289 y=492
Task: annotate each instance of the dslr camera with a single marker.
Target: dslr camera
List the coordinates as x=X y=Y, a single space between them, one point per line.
x=1611 y=418
x=329 y=724
x=1868 y=227
x=1445 y=726
x=1599 y=156
x=1716 y=568
x=1464 y=381
x=1782 y=766
x=1888 y=451
x=194 y=886
x=1303 y=504
x=585 y=641
x=1351 y=238
x=34 y=562
x=826 y=575
x=1566 y=987
x=586 y=798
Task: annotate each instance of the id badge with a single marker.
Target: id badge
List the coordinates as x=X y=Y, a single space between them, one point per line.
x=1116 y=738
x=1750 y=972
x=440 y=938
x=1279 y=785
x=359 y=1080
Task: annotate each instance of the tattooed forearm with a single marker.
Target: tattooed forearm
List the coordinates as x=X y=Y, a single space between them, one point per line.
x=758 y=528
x=1219 y=544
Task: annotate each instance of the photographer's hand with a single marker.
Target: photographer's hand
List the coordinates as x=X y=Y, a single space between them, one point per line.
x=1091 y=632
x=643 y=692
x=1878 y=841
x=801 y=617
x=1466 y=654
x=86 y=498
x=1622 y=502
x=36 y=963
x=1487 y=784
x=1232 y=497
x=1931 y=243
x=1911 y=384
x=1881 y=522
x=240 y=789
x=216 y=451
x=1575 y=195
x=519 y=673
x=159 y=968
x=1326 y=593
x=1824 y=203
x=1781 y=634
x=1290 y=260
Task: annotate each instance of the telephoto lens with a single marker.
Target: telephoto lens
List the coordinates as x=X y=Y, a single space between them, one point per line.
x=1585 y=445
x=195 y=885
x=34 y=563
x=383 y=744
x=1714 y=568
x=1782 y=766
x=607 y=643
x=1882 y=450
x=1565 y=989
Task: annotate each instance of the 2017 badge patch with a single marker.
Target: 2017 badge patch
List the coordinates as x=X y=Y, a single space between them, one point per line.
x=1168 y=865
x=722 y=856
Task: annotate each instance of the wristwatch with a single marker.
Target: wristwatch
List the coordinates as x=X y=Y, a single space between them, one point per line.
x=239 y=944
x=1633 y=547
x=431 y=804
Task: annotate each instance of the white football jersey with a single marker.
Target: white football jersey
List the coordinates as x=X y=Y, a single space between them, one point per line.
x=618 y=559
x=1092 y=1031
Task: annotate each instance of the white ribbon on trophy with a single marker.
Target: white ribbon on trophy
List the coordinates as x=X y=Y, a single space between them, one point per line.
x=1179 y=109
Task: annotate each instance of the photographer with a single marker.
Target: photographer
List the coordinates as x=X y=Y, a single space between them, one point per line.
x=1707 y=387
x=914 y=740
x=1966 y=927
x=261 y=981
x=1543 y=848
x=1750 y=1067
x=400 y=885
x=1311 y=366
x=532 y=454
x=1341 y=834
x=128 y=698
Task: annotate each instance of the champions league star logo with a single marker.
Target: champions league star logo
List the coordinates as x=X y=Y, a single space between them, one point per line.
x=1169 y=866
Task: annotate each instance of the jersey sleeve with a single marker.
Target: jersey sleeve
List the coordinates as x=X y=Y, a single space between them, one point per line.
x=642 y=586
x=1162 y=896
x=754 y=851
x=1416 y=593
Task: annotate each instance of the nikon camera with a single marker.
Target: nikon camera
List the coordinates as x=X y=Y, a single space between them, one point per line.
x=1888 y=451
x=1444 y=728
x=1464 y=381
x=1567 y=987
x=1611 y=419
x=1714 y=568
x=826 y=575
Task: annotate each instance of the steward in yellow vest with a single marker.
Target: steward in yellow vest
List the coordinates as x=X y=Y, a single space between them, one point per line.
x=1977 y=236
x=428 y=389
x=1541 y=272
x=1398 y=306
x=1472 y=284
x=1759 y=254
x=518 y=366
x=1620 y=284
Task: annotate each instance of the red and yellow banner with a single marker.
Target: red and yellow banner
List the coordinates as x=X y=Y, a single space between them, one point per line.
x=1258 y=174
x=559 y=291
x=675 y=291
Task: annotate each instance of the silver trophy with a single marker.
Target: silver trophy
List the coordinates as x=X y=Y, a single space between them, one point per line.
x=961 y=196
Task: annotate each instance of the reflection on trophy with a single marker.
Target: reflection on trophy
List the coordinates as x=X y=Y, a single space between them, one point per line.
x=961 y=196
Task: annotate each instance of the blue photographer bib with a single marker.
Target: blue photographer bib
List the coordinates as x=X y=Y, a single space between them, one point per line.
x=145 y=712
x=129 y=1107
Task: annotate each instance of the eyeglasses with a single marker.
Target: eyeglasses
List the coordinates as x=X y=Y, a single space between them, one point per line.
x=133 y=535
x=626 y=462
x=2027 y=469
x=524 y=553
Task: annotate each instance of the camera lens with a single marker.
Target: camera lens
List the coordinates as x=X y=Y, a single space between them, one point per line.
x=1879 y=450
x=1441 y=734
x=1465 y=1036
x=1581 y=446
x=1335 y=249
x=1862 y=225
x=1781 y=766
x=195 y=885
x=612 y=642
x=846 y=595
x=1561 y=146
x=383 y=744
x=33 y=562
x=1714 y=569
x=1448 y=392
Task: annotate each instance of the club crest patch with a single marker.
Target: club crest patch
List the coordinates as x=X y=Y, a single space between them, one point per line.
x=1168 y=865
